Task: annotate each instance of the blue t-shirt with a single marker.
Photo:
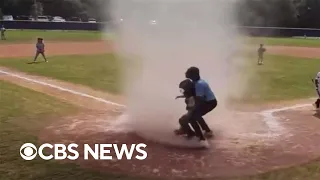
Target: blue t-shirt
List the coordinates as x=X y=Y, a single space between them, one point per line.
x=203 y=90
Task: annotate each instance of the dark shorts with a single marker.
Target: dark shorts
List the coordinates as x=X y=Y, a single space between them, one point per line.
x=196 y=120
x=207 y=107
x=204 y=109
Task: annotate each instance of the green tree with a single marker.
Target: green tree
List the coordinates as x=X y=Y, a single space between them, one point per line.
x=267 y=13
x=64 y=8
x=309 y=13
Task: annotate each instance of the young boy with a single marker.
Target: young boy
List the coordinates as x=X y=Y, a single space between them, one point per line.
x=205 y=100
x=3 y=30
x=187 y=88
x=317 y=84
x=40 y=50
x=261 y=51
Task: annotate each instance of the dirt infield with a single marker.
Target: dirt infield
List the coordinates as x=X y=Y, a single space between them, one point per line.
x=295 y=145
x=72 y=48
x=65 y=48
x=100 y=47
x=303 y=52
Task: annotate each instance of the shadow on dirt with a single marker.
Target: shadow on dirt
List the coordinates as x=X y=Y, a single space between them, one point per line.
x=34 y=62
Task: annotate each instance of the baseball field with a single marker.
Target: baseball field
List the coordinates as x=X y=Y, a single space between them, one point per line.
x=79 y=93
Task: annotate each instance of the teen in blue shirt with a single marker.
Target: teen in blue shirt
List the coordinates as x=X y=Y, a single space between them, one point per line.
x=205 y=99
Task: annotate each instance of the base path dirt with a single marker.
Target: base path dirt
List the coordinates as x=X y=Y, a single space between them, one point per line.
x=100 y=47
x=302 y=52
x=56 y=48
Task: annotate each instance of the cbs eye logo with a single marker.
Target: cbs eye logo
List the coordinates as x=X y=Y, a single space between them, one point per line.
x=28 y=151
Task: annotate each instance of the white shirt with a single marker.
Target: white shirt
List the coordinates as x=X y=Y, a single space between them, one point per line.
x=40 y=47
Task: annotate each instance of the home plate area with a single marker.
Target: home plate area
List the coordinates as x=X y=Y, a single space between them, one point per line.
x=233 y=152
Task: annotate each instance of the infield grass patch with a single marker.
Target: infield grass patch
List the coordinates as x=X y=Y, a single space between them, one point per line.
x=101 y=72
x=282 y=78
x=19 y=36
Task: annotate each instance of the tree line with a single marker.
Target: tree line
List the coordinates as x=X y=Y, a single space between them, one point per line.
x=65 y=8
x=279 y=13
x=270 y=13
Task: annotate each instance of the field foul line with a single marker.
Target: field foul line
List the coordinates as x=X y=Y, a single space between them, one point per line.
x=270 y=120
x=274 y=127
x=62 y=89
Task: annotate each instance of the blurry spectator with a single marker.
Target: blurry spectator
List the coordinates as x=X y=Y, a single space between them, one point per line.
x=261 y=52
x=3 y=30
x=40 y=50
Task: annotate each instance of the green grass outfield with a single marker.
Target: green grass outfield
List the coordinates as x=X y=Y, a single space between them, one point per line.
x=19 y=36
x=24 y=113
x=281 y=78
x=269 y=41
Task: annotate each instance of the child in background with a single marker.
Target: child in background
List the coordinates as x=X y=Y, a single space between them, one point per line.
x=261 y=51
x=40 y=50
x=3 y=30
